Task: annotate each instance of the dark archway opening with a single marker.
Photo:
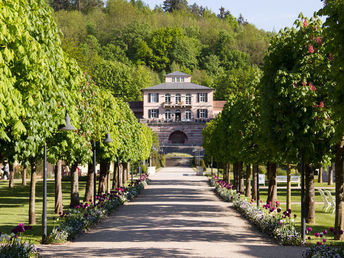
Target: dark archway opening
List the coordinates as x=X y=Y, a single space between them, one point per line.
x=178 y=137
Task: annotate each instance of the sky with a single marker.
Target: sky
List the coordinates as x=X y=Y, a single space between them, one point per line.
x=264 y=14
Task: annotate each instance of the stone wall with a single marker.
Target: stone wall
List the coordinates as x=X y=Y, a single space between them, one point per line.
x=192 y=130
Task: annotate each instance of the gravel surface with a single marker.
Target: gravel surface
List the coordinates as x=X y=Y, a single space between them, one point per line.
x=177 y=215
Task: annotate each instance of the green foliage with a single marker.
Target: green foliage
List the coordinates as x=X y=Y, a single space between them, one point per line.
x=334 y=34
x=295 y=101
x=190 y=39
x=122 y=80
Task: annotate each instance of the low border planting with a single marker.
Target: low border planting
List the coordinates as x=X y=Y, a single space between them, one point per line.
x=269 y=218
x=86 y=215
x=15 y=245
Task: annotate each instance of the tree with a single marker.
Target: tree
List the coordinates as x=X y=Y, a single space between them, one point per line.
x=334 y=35
x=171 y=5
x=123 y=81
x=295 y=113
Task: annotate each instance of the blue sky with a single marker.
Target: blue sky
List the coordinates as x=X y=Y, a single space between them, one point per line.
x=265 y=14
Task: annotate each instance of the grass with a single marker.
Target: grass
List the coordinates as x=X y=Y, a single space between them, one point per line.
x=14 y=205
x=176 y=154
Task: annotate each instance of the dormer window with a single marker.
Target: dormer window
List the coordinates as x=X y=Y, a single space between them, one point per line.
x=177 y=79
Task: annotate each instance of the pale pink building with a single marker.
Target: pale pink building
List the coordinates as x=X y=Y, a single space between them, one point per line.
x=177 y=109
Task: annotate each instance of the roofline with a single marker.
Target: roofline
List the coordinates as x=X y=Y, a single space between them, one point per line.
x=145 y=89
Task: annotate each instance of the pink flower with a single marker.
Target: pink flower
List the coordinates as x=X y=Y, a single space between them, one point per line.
x=317 y=234
x=312 y=87
x=321 y=104
x=309 y=229
x=304 y=83
x=319 y=243
x=324 y=240
x=310 y=49
x=305 y=23
x=319 y=41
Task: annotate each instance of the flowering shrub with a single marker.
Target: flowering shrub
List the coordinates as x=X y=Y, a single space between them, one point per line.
x=13 y=246
x=224 y=189
x=270 y=219
x=84 y=216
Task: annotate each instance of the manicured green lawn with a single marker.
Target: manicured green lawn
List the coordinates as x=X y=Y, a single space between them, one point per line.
x=14 y=205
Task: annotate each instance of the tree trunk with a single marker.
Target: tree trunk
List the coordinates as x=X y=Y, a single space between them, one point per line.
x=272 y=191
x=228 y=172
x=102 y=178
x=254 y=185
x=310 y=195
x=11 y=179
x=114 y=177
x=74 y=197
x=90 y=184
x=24 y=177
x=120 y=175
x=225 y=178
x=339 y=217
x=241 y=178
x=124 y=173
x=320 y=175
x=330 y=175
x=108 y=180
x=58 y=188
x=248 y=180
x=128 y=172
x=235 y=175
x=32 y=212
x=288 y=187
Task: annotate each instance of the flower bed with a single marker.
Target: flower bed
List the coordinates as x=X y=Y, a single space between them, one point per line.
x=224 y=189
x=14 y=246
x=84 y=216
x=322 y=249
x=268 y=218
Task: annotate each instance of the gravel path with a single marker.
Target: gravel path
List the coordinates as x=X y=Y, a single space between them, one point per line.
x=177 y=215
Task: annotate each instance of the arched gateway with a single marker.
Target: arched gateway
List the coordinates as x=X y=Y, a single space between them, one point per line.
x=177 y=137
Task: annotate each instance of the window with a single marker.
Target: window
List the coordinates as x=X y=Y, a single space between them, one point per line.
x=153 y=97
x=188 y=115
x=188 y=99
x=153 y=113
x=167 y=114
x=168 y=98
x=178 y=98
x=177 y=79
x=202 y=113
x=202 y=97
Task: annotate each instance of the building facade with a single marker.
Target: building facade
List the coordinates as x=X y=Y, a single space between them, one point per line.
x=177 y=110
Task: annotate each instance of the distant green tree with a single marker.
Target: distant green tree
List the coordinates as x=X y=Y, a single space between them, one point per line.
x=171 y=5
x=234 y=82
x=163 y=42
x=186 y=52
x=122 y=80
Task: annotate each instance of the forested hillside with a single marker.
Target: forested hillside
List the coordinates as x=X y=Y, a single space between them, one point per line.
x=126 y=46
